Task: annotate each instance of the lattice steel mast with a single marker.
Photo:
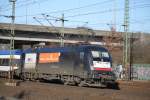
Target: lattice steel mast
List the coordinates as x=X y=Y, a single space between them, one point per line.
x=126 y=37
x=12 y=38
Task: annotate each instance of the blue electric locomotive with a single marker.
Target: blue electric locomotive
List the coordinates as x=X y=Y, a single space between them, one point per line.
x=89 y=65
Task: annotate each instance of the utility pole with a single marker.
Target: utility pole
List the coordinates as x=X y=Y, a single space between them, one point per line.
x=12 y=38
x=126 y=46
x=62 y=30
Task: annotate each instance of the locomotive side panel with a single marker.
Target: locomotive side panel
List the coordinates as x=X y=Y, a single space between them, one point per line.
x=64 y=63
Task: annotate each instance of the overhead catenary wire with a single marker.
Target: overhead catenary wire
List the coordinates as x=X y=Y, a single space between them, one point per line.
x=132 y=21
x=108 y=10
x=62 y=29
x=6 y=5
x=5 y=16
x=38 y=21
x=45 y=17
x=46 y=27
x=102 y=12
x=85 y=6
x=78 y=21
x=60 y=11
x=71 y=9
x=136 y=2
x=41 y=24
x=56 y=18
x=25 y=4
x=96 y=12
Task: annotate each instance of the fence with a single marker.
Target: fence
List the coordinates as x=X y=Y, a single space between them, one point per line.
x=139 y=72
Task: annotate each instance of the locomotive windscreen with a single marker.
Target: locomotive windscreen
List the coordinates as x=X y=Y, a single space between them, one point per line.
x=101 y=61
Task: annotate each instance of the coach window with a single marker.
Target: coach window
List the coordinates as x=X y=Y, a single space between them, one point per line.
x=4 y=62
x=1 y=61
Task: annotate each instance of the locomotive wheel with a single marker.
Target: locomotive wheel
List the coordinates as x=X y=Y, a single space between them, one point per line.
x=81 y=84
x=66 y=83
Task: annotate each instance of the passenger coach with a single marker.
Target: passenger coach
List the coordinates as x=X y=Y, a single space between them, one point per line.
x=9 y=58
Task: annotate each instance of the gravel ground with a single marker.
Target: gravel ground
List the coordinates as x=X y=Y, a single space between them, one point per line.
x=133 y=90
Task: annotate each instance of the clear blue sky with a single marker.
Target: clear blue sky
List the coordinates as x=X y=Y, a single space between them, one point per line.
x=98 y=13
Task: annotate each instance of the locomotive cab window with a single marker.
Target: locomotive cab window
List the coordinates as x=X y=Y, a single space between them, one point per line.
x=98 y=55
x=105 y=54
